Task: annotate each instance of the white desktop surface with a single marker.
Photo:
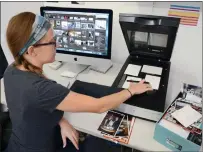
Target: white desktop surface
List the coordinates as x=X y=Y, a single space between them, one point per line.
x=143 y=131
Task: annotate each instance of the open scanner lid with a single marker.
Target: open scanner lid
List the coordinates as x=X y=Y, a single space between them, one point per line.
x=149 y=36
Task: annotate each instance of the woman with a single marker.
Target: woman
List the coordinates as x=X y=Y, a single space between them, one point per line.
x=36 y=103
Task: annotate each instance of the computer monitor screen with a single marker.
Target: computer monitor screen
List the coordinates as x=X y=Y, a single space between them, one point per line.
x=79 y=31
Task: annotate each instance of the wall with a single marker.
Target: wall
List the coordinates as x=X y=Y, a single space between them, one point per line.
x=187 y=54
x=9 y=9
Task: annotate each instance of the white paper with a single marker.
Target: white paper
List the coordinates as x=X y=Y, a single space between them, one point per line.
x=174 y=128
x=153 y=80
x=186 y=115
x=152 y=69
x=133 y=70
x=127 y=84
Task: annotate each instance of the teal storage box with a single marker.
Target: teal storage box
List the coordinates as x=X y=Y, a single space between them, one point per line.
x=170 y=133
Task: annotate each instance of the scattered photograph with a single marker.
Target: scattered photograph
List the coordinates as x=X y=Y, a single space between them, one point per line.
x=195 y=138
x=192 y=93
x=124 y=131
x=100 y=24
x=111 y=122
x=71 y=18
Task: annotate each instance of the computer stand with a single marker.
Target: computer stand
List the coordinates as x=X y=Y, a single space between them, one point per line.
x=75 y=68
x=102 y=68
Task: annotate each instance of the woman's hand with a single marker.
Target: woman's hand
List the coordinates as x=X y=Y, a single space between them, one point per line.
x=138 y=88
x=67 y=131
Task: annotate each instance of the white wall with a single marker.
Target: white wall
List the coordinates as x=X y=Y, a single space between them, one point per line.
x=8 y=10
x=187 y=54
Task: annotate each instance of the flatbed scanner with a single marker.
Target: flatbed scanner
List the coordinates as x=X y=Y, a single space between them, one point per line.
x=150 y=41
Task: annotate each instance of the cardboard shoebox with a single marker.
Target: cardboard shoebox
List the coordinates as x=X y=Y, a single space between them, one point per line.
x=175 y=129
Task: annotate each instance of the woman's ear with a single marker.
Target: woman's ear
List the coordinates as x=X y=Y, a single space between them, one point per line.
x=31 y=51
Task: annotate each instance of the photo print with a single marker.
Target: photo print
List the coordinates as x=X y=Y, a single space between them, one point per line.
x=192 y=93
x=111 y=123
x=124 y=131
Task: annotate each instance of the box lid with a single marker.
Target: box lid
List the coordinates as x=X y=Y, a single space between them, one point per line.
x=148 y=35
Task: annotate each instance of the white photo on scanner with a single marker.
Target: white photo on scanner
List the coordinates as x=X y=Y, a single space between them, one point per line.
x=133 y=70
x=151 y=69
x=127 y=84
x=153 y=80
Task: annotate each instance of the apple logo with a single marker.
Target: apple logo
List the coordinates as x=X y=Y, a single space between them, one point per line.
x=75 y=59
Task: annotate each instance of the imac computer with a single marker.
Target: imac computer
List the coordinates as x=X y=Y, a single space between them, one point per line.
x=83 y=35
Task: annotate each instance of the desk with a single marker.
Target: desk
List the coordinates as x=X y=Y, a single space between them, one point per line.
x=143 y=131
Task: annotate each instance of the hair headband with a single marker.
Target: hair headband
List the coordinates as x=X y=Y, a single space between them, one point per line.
x=39 y=29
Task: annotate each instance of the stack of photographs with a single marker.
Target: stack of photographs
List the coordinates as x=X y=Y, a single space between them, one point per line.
x=192 y=95
x=117 y=126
